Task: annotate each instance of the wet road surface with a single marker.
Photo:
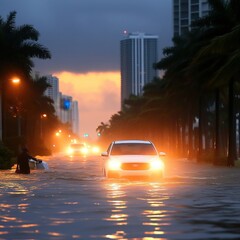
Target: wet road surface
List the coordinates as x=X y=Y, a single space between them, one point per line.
x=73 y=201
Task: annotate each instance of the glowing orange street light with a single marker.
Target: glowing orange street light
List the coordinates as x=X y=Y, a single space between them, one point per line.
x=16 y=81
x=44 y=115
x=57 y=134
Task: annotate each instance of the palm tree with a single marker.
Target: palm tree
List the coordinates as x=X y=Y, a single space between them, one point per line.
x=18 y=45
x=227 y=46
x=222 y=49
x=36 y=104
x=102 y=128
x=182 y=90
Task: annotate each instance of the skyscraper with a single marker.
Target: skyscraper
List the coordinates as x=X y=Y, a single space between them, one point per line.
x=187 y=11
x=66 y=109
x=75 y=118
x=53 y=91
x=138 y=54
x=68 y=112
x=65 y=115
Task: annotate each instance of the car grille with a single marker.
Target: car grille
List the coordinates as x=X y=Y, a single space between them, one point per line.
x=135 y=166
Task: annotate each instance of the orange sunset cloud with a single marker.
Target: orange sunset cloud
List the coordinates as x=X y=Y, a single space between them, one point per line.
x=97 y=93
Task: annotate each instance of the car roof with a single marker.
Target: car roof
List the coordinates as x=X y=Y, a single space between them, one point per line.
x=132 y=141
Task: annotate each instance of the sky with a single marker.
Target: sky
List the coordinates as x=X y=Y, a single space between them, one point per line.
x=84 y=37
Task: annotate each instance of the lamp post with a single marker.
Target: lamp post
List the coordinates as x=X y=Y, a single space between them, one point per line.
x=15 y=81
x=43 y=116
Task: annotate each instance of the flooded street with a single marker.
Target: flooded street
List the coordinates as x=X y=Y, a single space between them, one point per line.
x=73 y=201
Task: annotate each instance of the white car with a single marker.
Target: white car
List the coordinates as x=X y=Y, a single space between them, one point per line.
x=77 y=149
x=133 y=158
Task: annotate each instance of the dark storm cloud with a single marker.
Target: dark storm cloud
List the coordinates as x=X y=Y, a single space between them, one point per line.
x=84 y=35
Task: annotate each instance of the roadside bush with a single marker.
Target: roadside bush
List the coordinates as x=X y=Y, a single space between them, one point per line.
x=5 y=157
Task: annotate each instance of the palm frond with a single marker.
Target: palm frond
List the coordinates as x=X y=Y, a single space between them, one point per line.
x=27 y=32
x=35 y=50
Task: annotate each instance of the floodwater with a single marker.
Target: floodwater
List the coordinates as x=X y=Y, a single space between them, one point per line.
x=73 y=201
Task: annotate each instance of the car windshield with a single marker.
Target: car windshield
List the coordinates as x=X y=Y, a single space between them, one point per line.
x=77 y=146
x=133 y=149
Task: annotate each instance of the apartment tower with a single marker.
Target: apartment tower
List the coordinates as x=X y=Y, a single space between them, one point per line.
x=185 y=12
x=138 y=54
x=53 y=91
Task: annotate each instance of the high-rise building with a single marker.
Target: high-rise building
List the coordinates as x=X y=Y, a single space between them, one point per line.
x=53 y=91
x=138 y=54
x=185 y=12
x=66 y=109
x=75 y=118
x=68 y=112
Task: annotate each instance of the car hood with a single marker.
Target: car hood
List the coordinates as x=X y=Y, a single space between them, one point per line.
x=134 y=158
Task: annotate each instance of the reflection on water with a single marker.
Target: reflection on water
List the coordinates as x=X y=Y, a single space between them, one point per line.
x=145 y=197
x=156 y=214
x=118 y=216
x=74 y=201
x=13 y=188
x=54 y=234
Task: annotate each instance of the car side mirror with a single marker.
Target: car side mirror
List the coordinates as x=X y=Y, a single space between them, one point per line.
x=104 y=154
x=162 y=154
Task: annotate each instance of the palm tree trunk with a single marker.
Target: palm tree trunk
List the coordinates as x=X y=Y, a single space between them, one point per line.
x=217 y=133
x=200 y=129
x=190 y=137
x=232 y=153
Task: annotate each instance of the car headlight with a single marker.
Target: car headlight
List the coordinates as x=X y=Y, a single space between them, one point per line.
x=114 y=164
x=95 y=149
x=70 y=151
x=157 y=164
x=84 y=150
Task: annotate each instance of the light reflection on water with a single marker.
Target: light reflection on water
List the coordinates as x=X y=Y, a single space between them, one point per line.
x=118 y=216
x=156 y=214
x=122 y=197
x=73 y=201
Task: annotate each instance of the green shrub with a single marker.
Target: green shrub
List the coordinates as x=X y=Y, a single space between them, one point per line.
x=5 y=157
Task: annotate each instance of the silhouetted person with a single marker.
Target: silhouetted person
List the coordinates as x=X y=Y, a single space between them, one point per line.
x=23 y=161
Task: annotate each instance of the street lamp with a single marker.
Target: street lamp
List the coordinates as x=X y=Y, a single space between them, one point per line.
x=44 y=115
x=15 y=81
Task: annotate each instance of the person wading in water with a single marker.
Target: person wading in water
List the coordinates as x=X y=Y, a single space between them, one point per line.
x=23 y=161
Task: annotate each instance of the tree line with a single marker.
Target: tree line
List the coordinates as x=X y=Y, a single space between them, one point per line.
x=24 y=105
x=194 y=109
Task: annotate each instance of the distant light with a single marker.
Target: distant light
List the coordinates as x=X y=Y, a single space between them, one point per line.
x=15 y=80
x=125 y=32
x=95 y=149
x=66 y=104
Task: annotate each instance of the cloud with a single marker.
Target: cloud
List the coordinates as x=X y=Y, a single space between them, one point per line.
x=97 y=93
x=84 y=35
